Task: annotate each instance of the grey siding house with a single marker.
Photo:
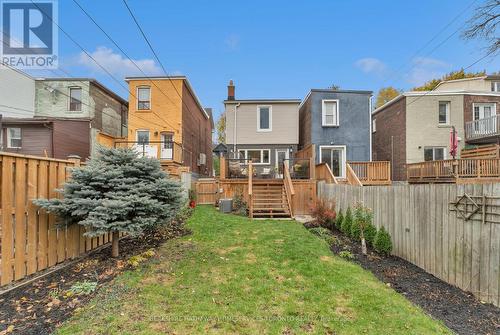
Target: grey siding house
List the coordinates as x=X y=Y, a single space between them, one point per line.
x=263 y=130
x=338 y=123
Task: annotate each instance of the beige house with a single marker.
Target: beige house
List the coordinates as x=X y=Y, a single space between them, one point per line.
x=263 y=130
x=478 y=84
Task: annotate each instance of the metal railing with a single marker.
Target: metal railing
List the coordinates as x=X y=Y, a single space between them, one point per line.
x=171 y=151
x=482 y=128
x=300 y=168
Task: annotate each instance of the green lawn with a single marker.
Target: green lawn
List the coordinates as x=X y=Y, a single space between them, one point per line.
x=236 y=276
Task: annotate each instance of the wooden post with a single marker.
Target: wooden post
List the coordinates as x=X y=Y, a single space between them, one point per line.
x=75 y=159
x=114 y=244
x=250 y=188
x=222 y=174
x=312 y=172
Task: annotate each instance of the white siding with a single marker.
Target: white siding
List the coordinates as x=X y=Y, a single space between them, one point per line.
x=18 y=92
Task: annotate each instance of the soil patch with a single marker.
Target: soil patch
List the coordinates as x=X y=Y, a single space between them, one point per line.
x=459 y=310
x=42 y=305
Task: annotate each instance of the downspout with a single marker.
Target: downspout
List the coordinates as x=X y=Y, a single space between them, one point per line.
x=234 y=129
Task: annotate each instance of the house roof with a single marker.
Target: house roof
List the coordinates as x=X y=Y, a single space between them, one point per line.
x=184 y=78
x=329 y=90
x=37 y=120
x=221 y=147
x=276 y=101
x=210 y=114
x=90 y=80
x=433 y=93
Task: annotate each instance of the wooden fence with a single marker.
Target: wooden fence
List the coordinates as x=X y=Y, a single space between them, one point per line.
x=30 y=241
x=451 y=231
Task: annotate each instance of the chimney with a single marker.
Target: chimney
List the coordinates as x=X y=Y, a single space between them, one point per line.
x=230 y=90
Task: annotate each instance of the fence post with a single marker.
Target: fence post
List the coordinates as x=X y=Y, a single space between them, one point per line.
x=222 y=168
x=75 y=159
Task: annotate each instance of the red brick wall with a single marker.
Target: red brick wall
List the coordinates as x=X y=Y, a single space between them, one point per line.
x=391 y=136
x=470 y=99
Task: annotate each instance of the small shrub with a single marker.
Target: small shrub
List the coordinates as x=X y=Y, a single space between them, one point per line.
x=355 y=232
x=345 y=227
x=370 y=232
x=240 y=207
x=83 y=288
x=382 y=242
x=339 y=219
x=346 y=254
x=324 y=213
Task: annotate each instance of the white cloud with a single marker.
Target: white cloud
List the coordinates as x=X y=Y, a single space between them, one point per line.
x=371 y=65
x=116 y=64
x=424 y=69
x=232 y=42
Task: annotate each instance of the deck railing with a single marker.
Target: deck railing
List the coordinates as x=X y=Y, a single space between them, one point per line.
x=372 y=173
x=450 y=170
x=352 y=178
x=323 y=172
x=169 y=151
x=299 y=168
x=482 y=128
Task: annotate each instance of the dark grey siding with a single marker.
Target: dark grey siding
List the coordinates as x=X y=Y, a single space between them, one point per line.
x=71 y=138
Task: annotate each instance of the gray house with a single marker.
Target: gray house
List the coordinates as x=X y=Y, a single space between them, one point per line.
x=338 y=123
x=263 y=130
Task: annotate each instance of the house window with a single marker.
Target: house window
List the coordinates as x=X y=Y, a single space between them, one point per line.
x=14 y=138
x=434 y=153
x=495 y=86
x=484 y=110
x=330 y=113
x=444 y=113
x=142 y=136
x=258 y=156
x=75 y=99
x=143 y=98
x=264 y=118
x=374 y=125
x=335 y=157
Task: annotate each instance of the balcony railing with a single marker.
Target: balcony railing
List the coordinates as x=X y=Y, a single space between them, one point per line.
x=450 y=170
x=238 y=168
x=168 y=151
x=482 y=128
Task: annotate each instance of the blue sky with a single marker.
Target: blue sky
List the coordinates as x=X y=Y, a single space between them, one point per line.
x=273 y=49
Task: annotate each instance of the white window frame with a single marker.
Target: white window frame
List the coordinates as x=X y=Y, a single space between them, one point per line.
x=374 y=125
x=495 y=86
x=336 y=114
x=259 y=129
x=142 y=130
x=448 y=109
x=482 y=105
x=9 y=138
x=69 y=99
x=261 y=155
x=344 y=157
x=137 y=95
x=445 y=152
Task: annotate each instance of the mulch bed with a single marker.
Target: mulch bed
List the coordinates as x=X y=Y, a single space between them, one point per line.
x=40 y=306
x=459 y=310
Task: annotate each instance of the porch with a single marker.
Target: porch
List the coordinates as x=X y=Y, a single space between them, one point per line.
x=458 y=171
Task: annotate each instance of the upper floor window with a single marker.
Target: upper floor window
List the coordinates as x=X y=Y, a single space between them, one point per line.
x=14 y=138
x=75 y=99
x=374 y=125
x=444 y=113
x=483 y=110
x=264 y=118
x=495 y=86
x=330 y=113
x=144 y=98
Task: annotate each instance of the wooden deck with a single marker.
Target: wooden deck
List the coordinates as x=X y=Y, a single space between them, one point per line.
x=455 y=171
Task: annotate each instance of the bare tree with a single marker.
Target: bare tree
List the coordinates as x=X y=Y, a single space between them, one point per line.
x=483 y=24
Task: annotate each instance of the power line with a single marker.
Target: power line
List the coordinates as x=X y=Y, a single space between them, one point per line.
x=98 y=64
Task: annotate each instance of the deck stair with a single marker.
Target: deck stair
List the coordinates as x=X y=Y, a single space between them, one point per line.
x=269 y=201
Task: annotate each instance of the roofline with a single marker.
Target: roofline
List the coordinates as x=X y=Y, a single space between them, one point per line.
x=458 y=80
x=40 y=120
x=91 y=81
x=184 y=78
x=433 y=93
x=22 y=73
x=329 y=90
x=262 y=100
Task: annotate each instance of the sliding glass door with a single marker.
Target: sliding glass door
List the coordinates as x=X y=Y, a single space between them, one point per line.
x=335 y=157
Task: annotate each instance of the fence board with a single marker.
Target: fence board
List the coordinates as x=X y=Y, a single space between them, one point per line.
x=427 y=230
x=29 y=239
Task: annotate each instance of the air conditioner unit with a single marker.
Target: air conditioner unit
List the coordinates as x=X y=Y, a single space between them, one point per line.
x=202 y=160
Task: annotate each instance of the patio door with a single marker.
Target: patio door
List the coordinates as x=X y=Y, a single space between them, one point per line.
x=282 y=156
x=167 y=146
x=335 y=157
x=485 y=112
